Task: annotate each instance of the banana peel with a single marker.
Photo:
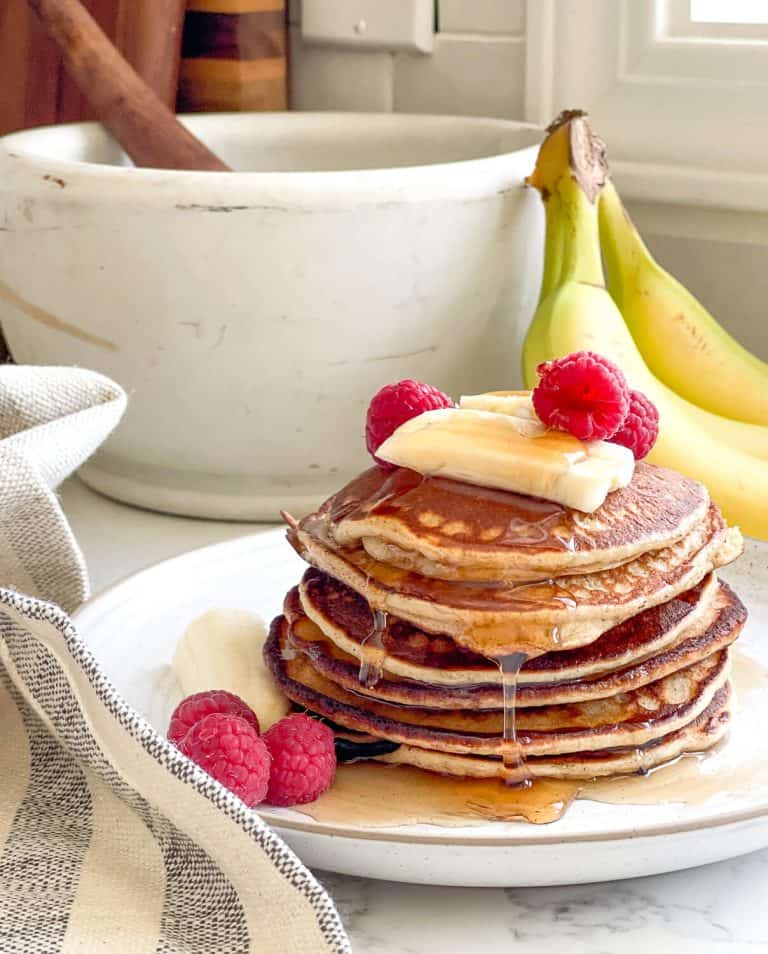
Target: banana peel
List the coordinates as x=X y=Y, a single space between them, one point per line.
x=682 y=344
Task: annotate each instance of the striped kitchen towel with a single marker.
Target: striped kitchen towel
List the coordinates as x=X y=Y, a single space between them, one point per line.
x=110 y=840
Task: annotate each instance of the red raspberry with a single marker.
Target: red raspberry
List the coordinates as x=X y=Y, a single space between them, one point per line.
x=303 y=760
x=227 y=748
x=194 y=708
x=641 y=427
x=395 y=404
x=584 y=394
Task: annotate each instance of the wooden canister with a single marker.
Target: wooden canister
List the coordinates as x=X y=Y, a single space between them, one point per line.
x=234 y=56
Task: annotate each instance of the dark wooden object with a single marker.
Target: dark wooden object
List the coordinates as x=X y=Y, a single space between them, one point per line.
x=234 y=56
x=36 y=88
x=134 y=114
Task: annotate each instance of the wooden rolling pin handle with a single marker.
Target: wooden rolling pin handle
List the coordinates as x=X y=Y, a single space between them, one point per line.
x=143 y=125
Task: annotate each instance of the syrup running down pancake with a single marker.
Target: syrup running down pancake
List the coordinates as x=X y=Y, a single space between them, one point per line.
x=702 y=733
x=348 y=621
x=707 y=633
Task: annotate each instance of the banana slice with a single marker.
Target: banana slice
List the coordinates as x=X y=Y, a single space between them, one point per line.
x=517 y=404
x=488 y=449
x=222 y=649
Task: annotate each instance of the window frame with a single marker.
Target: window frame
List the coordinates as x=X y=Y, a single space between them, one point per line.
x=683 y=115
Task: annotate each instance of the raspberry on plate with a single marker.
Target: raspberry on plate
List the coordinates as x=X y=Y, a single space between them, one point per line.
x=194 y=708
x=303 y=760
x=582 y=393
x=395 y=404
x=228 y=749
x=641 y=426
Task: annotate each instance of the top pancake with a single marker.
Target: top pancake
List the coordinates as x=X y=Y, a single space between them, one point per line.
x=450 y=530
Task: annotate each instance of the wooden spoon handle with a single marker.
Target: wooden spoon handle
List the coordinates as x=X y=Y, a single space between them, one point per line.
x=143 y=125
x=148 y=34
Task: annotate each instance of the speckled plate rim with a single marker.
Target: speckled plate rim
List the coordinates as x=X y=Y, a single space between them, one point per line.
x=387 y=834
x=222 y=557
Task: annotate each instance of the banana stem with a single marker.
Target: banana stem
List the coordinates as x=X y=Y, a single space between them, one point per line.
x=553 y=253
x=571 y=251
x=623 y=248
x=570 y=172
x=576 y=217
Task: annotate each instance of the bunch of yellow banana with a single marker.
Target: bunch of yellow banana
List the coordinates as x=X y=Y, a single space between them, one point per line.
x=688 y=366
x=681 y=342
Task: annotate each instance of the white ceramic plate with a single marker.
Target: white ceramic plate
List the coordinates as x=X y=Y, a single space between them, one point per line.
x=133 y=628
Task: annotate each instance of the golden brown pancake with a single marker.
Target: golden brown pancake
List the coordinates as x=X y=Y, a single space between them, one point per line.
x=403 y=650
x=715 y=631
x=705 y=731
x=498 y=619
x=632 y=718
x=451 y=530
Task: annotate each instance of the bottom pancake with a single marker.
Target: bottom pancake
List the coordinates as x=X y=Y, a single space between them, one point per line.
x=703 y=733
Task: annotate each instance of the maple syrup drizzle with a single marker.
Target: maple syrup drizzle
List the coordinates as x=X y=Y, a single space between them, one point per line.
x=378 y=795
x=372 y=669
x=525 y=520
x=548 y=591
x=406 y=795
x=515 y=771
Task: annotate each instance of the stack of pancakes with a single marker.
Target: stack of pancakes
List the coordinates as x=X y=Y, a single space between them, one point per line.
x=420 y=587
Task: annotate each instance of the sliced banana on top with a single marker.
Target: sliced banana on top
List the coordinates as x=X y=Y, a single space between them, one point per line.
x=516 y=404
x=490 y=449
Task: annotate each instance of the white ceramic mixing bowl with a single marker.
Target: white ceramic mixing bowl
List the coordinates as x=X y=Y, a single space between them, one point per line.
x=252 y=315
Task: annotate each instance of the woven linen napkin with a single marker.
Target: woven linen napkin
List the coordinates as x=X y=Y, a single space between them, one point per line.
x=110 y=840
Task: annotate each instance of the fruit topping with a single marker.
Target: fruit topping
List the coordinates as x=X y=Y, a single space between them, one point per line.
x=489 y=449
x=395 y=404
x=515 y=404
x=641 y=426
x=584 y=394
x=228 y=748
x=196 y=707
x=303 y=760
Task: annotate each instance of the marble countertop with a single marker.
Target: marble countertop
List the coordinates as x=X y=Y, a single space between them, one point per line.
x=721 y=907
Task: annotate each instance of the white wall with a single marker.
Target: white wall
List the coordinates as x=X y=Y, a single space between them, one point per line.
x=479 y=67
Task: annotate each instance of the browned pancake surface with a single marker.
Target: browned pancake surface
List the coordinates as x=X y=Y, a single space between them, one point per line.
x=718 y=629
x=500 y=618
x=630 y=718
x=335 y=606
x=492 y=534
x=614 y=586
x=703 y=732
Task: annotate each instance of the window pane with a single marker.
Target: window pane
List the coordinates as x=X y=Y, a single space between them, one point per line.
x=729 y=11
